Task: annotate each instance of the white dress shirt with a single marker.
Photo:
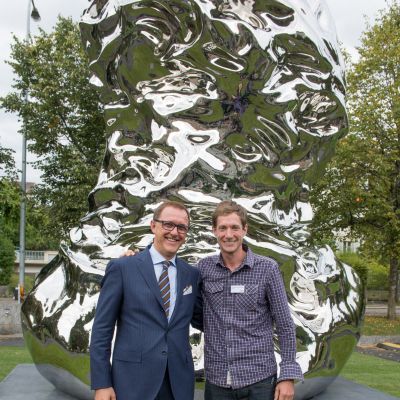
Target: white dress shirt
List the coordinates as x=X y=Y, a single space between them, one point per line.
x=158 y=259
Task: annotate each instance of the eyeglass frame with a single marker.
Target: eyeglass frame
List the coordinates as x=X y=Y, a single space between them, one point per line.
x=178 y=227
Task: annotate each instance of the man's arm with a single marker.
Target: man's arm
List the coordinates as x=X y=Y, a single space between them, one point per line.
x=289 y=368
x=197 y=319
x=107 y=312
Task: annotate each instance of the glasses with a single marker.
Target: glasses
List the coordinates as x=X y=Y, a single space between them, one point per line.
x=170 y=226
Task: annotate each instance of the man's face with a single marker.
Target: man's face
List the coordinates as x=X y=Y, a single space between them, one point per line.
x=166 y=242
x=230 y=232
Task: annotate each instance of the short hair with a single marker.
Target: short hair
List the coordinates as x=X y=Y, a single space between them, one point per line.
x=229 y=207
x=170 y=203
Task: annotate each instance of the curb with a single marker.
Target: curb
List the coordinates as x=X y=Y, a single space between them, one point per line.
x=389 y=346
x=369 y=340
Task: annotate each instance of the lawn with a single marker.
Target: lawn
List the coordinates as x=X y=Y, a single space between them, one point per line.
x=380 y=326
x=377 y=373
x=12 y=356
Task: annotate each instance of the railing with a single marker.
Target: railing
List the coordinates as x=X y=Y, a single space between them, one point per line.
x=36 y=256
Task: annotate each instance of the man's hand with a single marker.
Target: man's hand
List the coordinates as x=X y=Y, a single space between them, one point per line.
x=129 y=252
x=284 y=390
x=105 y=394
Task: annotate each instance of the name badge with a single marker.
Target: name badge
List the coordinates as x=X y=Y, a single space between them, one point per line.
x=237 y=289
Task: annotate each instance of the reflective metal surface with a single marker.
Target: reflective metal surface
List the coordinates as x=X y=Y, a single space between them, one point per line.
x=207 y=100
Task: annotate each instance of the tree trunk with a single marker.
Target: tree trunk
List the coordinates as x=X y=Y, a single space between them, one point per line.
x=393 y=275
x=398 y=287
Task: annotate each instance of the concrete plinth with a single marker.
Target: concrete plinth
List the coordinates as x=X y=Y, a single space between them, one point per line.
x=10 y=317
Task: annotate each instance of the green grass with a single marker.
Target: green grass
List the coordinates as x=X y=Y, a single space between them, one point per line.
x=11 y=357
x=380 y=326
x=377 y=373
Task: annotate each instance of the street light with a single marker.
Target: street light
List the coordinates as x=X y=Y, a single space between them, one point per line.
x=34 y=14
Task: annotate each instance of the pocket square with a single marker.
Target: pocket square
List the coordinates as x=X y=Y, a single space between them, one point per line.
x=187 y=290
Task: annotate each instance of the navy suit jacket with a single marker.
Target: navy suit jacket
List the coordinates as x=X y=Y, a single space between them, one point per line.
x=145 y=341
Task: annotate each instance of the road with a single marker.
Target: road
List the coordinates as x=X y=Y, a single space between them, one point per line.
x=379 y=309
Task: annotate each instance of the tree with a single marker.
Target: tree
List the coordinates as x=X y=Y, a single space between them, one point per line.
x=7 y=259
x=7 y=164
x=62 y=120
x=360 y=190
x=37 y=223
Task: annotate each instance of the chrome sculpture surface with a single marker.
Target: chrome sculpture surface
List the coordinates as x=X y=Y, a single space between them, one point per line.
x=207 y=100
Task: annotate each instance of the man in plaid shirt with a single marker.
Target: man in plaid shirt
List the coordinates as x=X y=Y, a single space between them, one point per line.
x=243 y=298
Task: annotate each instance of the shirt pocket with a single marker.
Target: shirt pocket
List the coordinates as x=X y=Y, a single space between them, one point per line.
x=247 y=300
x=214 y=294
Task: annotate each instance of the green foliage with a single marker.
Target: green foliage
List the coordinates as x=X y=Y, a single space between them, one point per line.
x=377 y=276
x=9 y=209
x=373 y=274
x=360 y=190
x=28 y=282
x=359 y=265
x=7 y=164
x=63 y=120
x=37 y=223
x=7 y=259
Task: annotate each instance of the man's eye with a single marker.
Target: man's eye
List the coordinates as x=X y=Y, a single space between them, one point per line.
x=182 y=228
x=169 y=225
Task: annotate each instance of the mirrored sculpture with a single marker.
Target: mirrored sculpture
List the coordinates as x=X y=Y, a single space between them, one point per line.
x=207 y=100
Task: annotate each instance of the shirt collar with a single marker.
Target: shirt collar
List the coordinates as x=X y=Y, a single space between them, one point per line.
x=157 y=258
x=248 y=259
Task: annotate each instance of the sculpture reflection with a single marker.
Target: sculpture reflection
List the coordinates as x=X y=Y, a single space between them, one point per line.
x=207 y=100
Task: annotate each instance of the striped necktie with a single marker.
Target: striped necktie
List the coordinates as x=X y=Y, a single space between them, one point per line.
x=163 y=284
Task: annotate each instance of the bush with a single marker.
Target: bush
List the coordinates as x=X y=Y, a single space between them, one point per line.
x=29 y=281
x=378 y=276
x=357 y=263
x=371 y=272
x=7 y=259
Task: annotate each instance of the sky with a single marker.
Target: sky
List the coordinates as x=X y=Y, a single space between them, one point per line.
x=350 y=17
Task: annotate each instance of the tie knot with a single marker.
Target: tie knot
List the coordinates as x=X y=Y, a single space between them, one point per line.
x=166 y=264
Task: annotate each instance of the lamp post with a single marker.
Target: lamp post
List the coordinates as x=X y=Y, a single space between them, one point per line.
x=34 y=14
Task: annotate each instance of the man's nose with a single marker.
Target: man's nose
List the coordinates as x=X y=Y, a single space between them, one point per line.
x=175 y=230
x=229 y=232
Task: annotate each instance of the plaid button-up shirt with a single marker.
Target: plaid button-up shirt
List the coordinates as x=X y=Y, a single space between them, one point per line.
x=240 y=309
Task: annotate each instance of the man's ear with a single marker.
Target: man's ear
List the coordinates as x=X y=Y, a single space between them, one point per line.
x=245 y=229
x=152 y=225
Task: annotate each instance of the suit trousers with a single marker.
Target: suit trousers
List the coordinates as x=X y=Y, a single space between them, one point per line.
x=165 y=392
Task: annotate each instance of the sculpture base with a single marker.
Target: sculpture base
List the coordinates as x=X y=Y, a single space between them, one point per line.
x=25 y=382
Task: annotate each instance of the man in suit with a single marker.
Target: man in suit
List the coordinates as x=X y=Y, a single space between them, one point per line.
x=152 y=298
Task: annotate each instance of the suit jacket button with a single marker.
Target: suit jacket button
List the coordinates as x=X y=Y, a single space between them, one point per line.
x=164 y=353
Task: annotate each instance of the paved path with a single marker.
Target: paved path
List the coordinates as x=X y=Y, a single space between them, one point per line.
x=379 y=309
x=25 y=382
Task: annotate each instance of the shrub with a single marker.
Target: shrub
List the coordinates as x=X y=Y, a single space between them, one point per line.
x=29 y=281
x=371 y=272
x=378 y=276
x=358 y=264
x=7 y=259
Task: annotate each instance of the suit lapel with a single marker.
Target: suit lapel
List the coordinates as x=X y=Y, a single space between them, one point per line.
x=181 y=278
x=146 y=268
